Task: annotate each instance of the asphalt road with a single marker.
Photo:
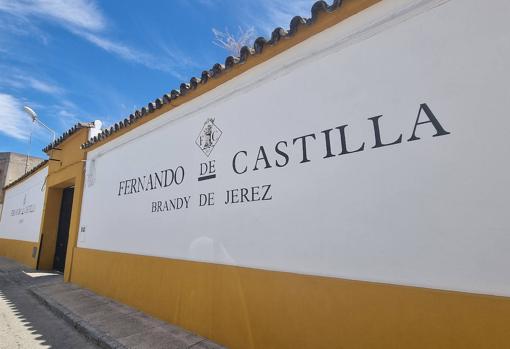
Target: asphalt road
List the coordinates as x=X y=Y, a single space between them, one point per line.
x=26 y=323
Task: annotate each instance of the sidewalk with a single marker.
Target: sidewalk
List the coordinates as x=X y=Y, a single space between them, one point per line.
x=105 y=322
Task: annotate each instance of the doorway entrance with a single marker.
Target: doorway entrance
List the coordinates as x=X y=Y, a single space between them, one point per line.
x=59 y=261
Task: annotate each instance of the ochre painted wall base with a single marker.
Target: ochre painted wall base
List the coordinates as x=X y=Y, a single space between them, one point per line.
x=249 y=308
x=20 y=251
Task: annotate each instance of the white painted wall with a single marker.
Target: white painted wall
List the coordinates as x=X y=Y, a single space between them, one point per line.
x=432 y=212
x=23 y=207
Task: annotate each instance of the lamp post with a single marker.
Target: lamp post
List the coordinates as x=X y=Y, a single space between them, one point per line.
x=34 y=118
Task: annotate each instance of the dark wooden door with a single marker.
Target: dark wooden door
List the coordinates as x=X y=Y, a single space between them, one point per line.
x=64 y=221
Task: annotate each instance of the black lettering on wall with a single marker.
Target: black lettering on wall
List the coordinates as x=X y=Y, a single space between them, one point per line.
x=153 y=180
x=167 y=182
x=440 y=131
x=179 y=175
x=344 y=142
x=261 y=156
x=303 y=145
x=150 y=185
x=266 y=195
x=234 y=162
x=159 y=180
x=327 y=139
x=377 y=134
x=120 y=186
x=282 y=153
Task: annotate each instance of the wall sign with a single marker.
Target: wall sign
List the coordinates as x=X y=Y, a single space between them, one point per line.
x=22 y=210
x=378 y=157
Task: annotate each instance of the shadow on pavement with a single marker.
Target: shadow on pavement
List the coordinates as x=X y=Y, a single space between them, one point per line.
x=43 y=328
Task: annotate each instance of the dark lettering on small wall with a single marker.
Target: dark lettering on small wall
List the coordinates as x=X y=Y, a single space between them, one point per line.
x=24 y=210
x=335 y=144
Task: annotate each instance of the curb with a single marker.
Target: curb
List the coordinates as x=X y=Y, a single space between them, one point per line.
x=100 y=338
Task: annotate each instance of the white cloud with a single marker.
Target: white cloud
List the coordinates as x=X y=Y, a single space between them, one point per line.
x=82 y=18
x=119 y=49
x=67 y=117
x=131 y=54
x=43 y=86
x=278 y=13
x=20 y=26
x=169 y=63
x=82 y=14
x=14 y=122
x=16 y=79
x=66 y=114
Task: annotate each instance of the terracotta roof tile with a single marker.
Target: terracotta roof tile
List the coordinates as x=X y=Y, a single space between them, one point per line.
x=67 y=134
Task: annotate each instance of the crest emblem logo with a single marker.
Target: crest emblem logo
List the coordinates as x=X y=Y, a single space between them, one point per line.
x=208 y=136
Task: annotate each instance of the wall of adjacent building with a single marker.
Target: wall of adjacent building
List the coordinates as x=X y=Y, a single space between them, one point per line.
x=20 y=221
x=358 y=196
x=13 y=166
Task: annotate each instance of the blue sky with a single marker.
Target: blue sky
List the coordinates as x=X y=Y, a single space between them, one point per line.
x=82 y=60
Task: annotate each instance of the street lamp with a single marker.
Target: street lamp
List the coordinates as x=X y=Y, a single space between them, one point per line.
x=34 y=118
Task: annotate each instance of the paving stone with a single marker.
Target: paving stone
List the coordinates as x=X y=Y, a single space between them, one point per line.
x=57 y=287
x=123 y=325
x=70 y=298
x=103 y=310
x=53 y=286
x=82 y=304
x=120 y=308
x=89 y=311
x=158 y=337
